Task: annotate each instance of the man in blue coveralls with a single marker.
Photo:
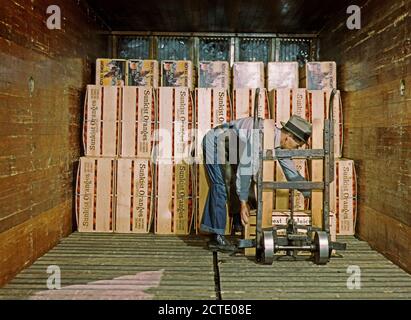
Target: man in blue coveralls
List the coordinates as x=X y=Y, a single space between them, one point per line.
x=236 y=139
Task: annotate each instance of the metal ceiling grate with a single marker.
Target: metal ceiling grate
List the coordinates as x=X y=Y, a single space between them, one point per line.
x=295 y=50
x=134 y=48
x=254 y=49
x=170 y=48
x=214 y=49
x=211 y=48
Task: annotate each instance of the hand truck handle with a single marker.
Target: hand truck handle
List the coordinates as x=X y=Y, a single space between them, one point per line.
x=256 y=102
x=331 y=105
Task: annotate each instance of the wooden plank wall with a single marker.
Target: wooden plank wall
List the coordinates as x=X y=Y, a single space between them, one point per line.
x=40 y=134
x=371 y=62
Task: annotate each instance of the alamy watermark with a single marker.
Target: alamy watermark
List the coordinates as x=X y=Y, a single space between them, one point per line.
x=354 y=280
x=354 y=20
x=54 y=280
x=54 y=20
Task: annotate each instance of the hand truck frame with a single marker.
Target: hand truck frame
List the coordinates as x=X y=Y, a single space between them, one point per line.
x=316 y=240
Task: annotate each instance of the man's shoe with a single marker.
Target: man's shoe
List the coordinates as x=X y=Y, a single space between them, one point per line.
x=220 y=243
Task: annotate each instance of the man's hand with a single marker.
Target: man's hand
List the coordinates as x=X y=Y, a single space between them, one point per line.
x=245 y=212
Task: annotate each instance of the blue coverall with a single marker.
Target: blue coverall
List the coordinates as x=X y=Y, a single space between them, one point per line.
x=214 y=216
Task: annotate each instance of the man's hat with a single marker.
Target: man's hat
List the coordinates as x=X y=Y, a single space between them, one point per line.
x=298 y=127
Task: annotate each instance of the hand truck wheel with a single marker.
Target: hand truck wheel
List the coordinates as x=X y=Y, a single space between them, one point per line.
x=267 y=252
x=322 y=247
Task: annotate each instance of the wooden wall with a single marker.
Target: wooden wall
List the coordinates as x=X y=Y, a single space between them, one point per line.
x=40 y=134
x=371 y=63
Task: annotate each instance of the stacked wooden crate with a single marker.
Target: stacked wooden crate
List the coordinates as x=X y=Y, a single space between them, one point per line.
x=142 y=73
x=321 y=75
x=282 y=75
x=111 y=72
x=121 y=72
x=344 y=196
x=247 y=76
x=120 y=120
x=320 y=80
x=96 y=186
x=212 y=108
x=95 y=195
x=177 y=73
x=312 y=104
x=174 y=182
x=174 y=192
x=318 y=101
x=285 y=103
x=115 y=178
x=283 y=100
x=134 y=166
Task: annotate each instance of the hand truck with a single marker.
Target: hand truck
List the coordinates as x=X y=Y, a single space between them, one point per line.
x=316 y=240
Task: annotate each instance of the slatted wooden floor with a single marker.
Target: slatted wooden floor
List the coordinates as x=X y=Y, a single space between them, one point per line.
x=301 y=279
x=180 y=269
x=109 y=266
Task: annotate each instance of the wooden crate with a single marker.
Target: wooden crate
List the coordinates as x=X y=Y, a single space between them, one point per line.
x=243 y=103
x=212 y=109
x=95 y=195
x=177 y=73
x=111 y=72
x=318 y=103
x=173 y=198
x=280 y=218
x=213 y=74
x=321 y=75
x=248 y=75
x=285 y=103
x=344 y=196
x=282 y=75
x=138 y=122
x=309 y=105
x=143 y=73
x=175 y=123
x=101 y=127
x=134 y=200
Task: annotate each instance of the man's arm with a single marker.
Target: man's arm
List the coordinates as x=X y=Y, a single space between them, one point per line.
x=243 y=181
x=244 y=171
x=291 y=173
x=245 y=167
